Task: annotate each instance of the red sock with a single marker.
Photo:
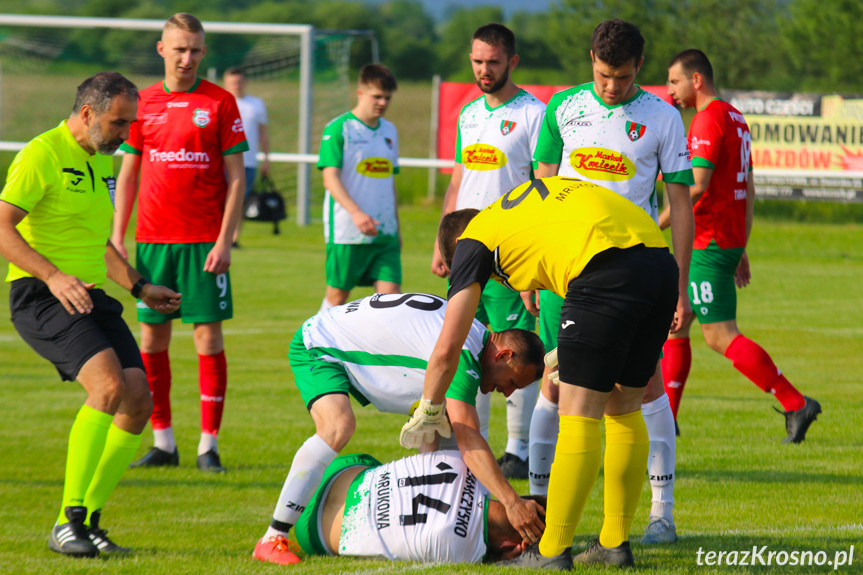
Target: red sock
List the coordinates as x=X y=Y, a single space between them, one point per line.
x=676 y=361
x=158 y=368
x=752 y=361
x=212 y=380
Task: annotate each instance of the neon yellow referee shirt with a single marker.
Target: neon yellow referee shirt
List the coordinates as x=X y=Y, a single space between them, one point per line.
x=68 y=196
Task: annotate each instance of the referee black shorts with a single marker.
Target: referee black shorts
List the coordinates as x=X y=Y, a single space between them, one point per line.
x=615 y=318
x=69 y=341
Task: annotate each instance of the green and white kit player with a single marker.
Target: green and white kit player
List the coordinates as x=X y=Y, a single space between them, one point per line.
x=359 y=159
x=377 y=350
x=495 y=142
x=616 y=135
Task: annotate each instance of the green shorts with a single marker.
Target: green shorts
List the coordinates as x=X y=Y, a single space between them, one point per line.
x=206 y=296
x=308 y=527
x=316 y=377
x=712 y=292
x=351 y=265
x=501 y=308
x=550 y=306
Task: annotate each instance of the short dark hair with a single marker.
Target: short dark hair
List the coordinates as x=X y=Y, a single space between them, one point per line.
x=185 y=22
x=616 y=43
x=236 y=71
x=451 y=227
x=98 y=91
x=379 y=76
x=692 y=61
x=527 y=348
x=495 y=34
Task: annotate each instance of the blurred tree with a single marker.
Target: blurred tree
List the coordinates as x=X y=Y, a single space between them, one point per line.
x=407 y=39
x=454 y=45
x=824 y=45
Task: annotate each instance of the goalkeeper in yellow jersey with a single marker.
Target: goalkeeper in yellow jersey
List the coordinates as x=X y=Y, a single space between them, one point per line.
x=609 y=260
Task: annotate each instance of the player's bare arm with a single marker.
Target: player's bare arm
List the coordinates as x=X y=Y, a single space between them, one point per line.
x=159 y=298
x=69 y=290
x=531 y=301
x=743 y=275
x=124 y=199
x=219 y=259
x=450 y=199
x=524 y=515
x=544 y=170
x=333 y=183
x=702 y=178
x=682 y=238
x=443 y=362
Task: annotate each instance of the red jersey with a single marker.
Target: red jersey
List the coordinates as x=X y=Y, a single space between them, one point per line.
x=181 y=138
x=719 y=138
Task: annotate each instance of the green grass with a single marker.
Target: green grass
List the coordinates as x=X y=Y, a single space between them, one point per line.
x=737 y=486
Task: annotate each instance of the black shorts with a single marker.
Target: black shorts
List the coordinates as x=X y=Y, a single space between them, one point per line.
x=69 y=341
x=616 y=317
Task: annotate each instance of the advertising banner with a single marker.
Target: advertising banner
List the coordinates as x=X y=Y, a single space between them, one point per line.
x=804 y=146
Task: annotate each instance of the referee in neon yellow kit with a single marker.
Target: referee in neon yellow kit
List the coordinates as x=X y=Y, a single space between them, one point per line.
x=55 y=220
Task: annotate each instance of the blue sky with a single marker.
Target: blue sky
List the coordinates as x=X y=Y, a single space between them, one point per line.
x=438 y=8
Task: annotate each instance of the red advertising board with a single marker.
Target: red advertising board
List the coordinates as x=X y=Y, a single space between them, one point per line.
x=454 y=96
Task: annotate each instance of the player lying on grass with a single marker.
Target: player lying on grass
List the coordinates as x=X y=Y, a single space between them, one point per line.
x=377 y=349
x=608 y=259
x=427 y=507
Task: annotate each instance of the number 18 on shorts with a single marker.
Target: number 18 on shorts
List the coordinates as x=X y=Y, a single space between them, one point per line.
x=712 y=293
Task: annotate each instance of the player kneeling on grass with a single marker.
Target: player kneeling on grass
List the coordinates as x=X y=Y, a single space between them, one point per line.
x=608 y=259
x=427 y=507
x=377 y=349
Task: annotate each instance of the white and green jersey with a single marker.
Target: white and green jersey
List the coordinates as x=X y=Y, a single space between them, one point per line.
x=622 y=148
x=384 y=343
x=427 y=508
x=368 y=158
x=495 y=147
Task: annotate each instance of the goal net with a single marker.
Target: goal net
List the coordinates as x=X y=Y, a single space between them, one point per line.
x=42 y=64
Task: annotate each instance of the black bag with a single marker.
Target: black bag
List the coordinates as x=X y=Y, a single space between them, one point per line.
x=265 y=204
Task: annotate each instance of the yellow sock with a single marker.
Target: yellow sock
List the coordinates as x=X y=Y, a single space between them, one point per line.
x=573 y=473
x=626 y=448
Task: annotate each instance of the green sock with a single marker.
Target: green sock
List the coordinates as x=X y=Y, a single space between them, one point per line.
x=86 y=444
x=119 y=451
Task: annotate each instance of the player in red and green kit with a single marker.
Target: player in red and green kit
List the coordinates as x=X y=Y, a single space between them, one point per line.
x=724 y=195
x=187 y=147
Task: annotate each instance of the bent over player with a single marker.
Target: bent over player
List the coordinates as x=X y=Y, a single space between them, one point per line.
x=55 y=218
x=377 y=349
x=188 y=136
x=724 y=197
x=610 y=262
x=427 y=508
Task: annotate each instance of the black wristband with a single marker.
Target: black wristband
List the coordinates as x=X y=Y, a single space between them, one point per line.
x=139 y=285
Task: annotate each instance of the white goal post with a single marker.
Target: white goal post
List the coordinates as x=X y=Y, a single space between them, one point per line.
x=306 y=35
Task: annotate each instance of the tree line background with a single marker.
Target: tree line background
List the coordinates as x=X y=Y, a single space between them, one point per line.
x=781 y=45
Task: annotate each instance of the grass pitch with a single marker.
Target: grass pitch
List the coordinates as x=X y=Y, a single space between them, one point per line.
x=737 y=486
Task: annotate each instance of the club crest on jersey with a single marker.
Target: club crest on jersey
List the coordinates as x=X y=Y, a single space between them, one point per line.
x=389 y=143
x=506 y=127
x=635 y=131
x=201 y=118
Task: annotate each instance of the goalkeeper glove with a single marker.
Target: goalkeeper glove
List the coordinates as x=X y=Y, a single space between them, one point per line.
x=426 y=419
x=551 y=361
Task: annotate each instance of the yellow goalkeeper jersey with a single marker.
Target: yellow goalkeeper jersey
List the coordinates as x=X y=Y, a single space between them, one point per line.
x=542 y=234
